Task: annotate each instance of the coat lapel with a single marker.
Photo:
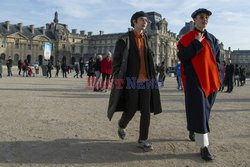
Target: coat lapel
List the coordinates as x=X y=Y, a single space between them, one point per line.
x=134 y=45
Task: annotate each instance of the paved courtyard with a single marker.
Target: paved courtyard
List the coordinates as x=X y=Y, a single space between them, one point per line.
x=58 y=122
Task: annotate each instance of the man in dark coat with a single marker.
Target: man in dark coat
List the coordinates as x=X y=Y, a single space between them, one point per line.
x=9 y=66
x=229 y=76
x=200 y=55
x=133 y=69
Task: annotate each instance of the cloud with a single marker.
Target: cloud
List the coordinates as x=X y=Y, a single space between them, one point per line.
x=75 y=8
x=113 y=16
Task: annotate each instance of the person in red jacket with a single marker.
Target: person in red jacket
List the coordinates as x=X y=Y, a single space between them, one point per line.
x=106 y=70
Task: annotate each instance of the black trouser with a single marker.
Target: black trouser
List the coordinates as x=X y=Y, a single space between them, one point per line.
x=19 y=68
x=134 y=98
x=64 y=73
x=9 y=71
x=105 y=77
x=57 y=71
x=230 y=85
x=82 y=72
x=49 y=73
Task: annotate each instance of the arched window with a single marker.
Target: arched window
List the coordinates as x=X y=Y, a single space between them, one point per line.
x=29 y=58
x=3 y=56
x=17 y=43
x=63 y=59
x=40 y=60
x=73 y=48
x=16 y=58
x=73 y=60
x=52 y=60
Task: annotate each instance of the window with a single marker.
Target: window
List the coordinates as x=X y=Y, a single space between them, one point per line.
x=29 y=45
x=17 y=43
x=73 y=49
x=41 y=46
x=3 y=56
x=2 y=43
x=63 y=46
x=82 y=49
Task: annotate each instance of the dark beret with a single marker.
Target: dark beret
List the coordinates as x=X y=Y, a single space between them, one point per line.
x=201 y=10
x=137 y=15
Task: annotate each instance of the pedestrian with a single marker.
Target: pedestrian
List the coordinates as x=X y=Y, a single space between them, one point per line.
x=64 y=68
x=178 y=75
x=1 y=67
x=58 y=66
x=199 y=54
x=133 y=61
x=81 y=63
x=229 y=76
x=97 y=66
x=49 y=68
x=25 y=65
x=76 y=67
x=106 y=70
x=19 y=65
x=91 y=72
x=222 y=75
x=242 y=76
x=162 y=75
x=236 y=76
x=9 y=64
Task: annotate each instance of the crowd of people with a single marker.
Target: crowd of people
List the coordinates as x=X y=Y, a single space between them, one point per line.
x=231 y=75
x=98 y=69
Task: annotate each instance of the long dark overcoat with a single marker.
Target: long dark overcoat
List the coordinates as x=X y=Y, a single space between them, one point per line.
x=125 y=58
x=198 y=106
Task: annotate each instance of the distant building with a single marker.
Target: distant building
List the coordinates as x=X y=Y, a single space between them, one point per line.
x=27 y=42
x=242 y=58
x=188 y=27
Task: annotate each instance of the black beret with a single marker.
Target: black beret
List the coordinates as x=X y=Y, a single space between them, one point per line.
x=201 y=10
x=137 y=15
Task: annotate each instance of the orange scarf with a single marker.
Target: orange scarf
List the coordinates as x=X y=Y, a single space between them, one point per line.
x=204 y=65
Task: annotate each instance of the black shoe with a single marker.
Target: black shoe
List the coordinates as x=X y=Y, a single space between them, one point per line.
x=191 y=136
x=121 y=132
x=205 y=154
x=145 y=145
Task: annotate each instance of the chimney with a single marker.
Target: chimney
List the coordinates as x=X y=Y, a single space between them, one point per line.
x=229 y=48
x=65 y=26
x=82 y=32
x=74 y=31
x=20 y=26
x=43 y=30
x=90 y=33
x=32 y=29
x=101 y=32
x=47 y=26
x=7 y=25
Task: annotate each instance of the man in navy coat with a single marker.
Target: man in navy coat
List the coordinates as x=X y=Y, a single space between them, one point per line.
x=199 y=55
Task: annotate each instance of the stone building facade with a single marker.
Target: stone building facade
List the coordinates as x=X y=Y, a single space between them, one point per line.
x=27 y=42
x=242 y=58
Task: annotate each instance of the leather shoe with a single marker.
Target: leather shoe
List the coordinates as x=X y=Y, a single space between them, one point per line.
x=121 y=132
x=205 y=154
x=191 y=136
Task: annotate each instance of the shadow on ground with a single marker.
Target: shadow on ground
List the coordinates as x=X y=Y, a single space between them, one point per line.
x=72 y=151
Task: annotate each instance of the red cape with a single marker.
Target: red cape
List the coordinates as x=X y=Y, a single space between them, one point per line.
x=204 y=65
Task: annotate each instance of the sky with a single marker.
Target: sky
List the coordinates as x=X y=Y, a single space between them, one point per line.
x=230 y=21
